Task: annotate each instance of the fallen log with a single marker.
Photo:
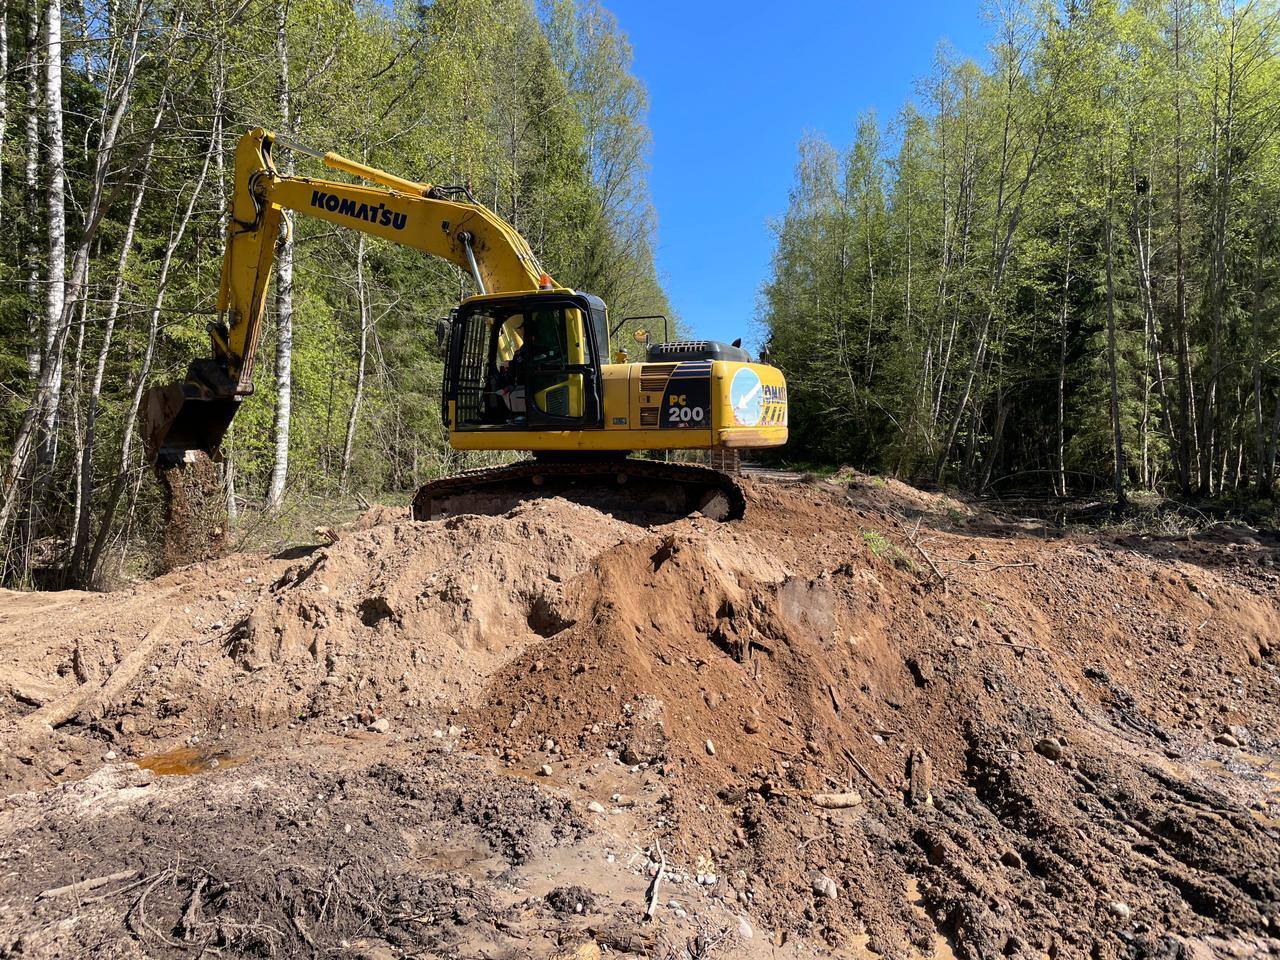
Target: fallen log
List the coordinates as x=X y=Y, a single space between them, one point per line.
x=93 y=699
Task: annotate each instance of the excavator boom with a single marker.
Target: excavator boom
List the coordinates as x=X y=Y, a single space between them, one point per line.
x=195 y=414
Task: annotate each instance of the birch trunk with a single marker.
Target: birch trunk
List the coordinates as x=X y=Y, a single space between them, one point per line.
x=1186 y=414
x=31 y=184
x=362 y=299
x=224 y=208
x=1258 y=338
x=284 y=295
x=76 y=403
x=56 y=324
x=1273 y=443
x=1117 y=436
x=1061 y=438
x=4 y=88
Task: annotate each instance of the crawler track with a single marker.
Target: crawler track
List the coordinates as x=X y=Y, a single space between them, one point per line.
x=714 y=493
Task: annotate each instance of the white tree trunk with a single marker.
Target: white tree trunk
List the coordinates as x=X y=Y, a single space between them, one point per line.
x=284 y=296
x=31 y=185
x=4 y=85
x=224 y=206
x=56 y=224
x=78 y=432
x=365 y=318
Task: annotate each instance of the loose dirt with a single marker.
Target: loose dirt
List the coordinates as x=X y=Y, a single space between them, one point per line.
x=195 y=511
x=864 y=721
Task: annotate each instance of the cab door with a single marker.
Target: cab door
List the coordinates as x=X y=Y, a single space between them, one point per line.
x=538 y=368
x=560 y=369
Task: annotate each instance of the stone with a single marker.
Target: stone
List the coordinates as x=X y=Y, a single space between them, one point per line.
x=824 y=886
x=647 y=741
x=744 y=929
x=1227 y=740
x=544 y=770
x=1121 y=910
x=381 y=725
x=595 y=806
x=711 y=749
x=919 y=779
x=838 y=801
x=1050 y=748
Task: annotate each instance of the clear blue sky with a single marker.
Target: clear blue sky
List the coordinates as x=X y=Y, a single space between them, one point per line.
x=732 y=89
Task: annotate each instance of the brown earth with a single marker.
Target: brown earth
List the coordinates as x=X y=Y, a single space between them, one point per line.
x=864 y=721
x=195 y=511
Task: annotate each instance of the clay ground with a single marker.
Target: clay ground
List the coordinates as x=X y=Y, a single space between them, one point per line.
x=865 y=721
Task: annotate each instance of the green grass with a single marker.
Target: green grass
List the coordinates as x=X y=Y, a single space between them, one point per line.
x=880 y=546
x=876 y=543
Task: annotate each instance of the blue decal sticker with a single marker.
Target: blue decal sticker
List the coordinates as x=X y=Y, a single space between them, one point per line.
x=746 y=397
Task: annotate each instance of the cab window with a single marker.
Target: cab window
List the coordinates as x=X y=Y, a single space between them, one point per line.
x=532 y=356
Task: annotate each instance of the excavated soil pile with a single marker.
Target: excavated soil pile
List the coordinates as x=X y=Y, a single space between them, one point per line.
x=864 y=721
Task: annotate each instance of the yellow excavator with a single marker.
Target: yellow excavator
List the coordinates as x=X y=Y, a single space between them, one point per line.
x=527 y=362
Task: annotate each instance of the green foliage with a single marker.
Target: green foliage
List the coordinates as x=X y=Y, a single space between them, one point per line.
x=876 y=542
x=930 y=300
x=536 y=112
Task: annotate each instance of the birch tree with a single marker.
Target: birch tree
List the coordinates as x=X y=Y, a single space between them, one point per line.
x=284 y=289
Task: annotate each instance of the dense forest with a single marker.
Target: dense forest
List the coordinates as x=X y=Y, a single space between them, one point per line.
x=1056 y=272
x=118 y=124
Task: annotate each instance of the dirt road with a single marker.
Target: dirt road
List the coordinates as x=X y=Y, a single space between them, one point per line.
x=865 y=721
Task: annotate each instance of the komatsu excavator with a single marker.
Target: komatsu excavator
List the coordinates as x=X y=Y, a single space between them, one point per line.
x=527 y=362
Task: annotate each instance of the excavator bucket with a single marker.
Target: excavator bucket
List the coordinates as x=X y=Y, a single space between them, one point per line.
x=179 y=418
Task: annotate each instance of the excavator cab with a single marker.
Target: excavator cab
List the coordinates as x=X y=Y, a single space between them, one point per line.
x=527 y=362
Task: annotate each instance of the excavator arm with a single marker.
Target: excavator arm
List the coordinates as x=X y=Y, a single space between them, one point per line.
x=195 y=413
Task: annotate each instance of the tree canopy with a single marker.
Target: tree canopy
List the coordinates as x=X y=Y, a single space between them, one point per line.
x=1057 y=271
x=118 y=122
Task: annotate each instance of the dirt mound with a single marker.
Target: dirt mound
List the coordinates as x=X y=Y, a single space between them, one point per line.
x=865 y=718
x=416 y=615
x=427 y=610
x=1054 y=809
